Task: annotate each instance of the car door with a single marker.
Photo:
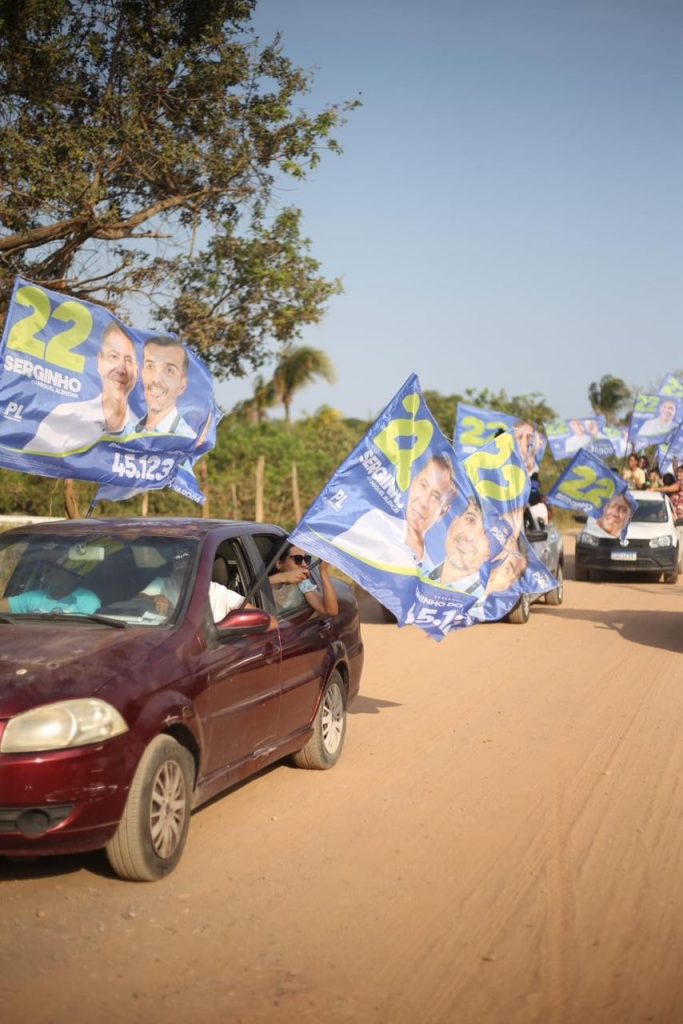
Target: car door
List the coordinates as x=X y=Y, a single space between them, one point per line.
x=305 y=638
x=542 y=548
x=240 y=703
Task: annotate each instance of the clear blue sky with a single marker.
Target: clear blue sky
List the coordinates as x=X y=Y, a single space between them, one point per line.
x=508 y=209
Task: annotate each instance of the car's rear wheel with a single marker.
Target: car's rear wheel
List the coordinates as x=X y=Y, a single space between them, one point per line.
x=152 y=832
x=520 y=613
x=556 y=596
x=325 y=745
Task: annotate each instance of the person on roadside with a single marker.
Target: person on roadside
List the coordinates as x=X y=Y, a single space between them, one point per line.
x=291 y=583
x=673 y=486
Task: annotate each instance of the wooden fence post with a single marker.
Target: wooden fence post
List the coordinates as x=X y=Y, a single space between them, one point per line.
x=71 y=499
x=260 y=476
x=296 y=499
x=203 y=474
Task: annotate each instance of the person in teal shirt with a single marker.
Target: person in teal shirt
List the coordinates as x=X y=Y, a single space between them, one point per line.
x=59 y=593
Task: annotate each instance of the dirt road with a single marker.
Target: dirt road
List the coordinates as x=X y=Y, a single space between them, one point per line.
x=501 y=843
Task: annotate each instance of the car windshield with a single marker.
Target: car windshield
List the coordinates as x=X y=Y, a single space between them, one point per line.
x=650 y=512
x=139 y=581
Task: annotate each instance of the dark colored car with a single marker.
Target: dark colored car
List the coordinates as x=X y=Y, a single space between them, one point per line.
x=116 y=721
x=650 y=544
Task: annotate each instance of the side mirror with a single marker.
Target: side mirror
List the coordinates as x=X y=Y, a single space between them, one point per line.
x=244 y=620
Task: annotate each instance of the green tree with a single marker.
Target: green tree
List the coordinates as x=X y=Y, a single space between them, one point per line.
x=609 y=397
x=297 y=368
x=126 y=124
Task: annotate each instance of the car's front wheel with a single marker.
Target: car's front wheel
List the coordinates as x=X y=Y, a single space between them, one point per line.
x=671 y=577
x=520 y=613
x=152 y=832
x=556 y=596
x=329 y=729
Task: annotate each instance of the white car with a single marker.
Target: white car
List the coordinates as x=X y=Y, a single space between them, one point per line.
x=651 y=543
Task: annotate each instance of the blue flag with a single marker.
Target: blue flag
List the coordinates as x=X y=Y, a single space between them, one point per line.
x=567 y=437
x=437 y=541
x=671 y=386
x=589 y=486
x=83 y=395
x=654 y=419
x=476 y=427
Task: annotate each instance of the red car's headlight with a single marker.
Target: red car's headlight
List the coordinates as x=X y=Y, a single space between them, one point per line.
x=69 y=723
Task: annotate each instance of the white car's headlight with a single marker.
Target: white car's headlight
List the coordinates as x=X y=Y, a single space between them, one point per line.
x=660 y=542
x=69 y=723
x=588 y=538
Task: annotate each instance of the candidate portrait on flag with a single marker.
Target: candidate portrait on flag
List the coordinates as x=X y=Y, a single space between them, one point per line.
x=430 y=536
x=84 y=395
x=654 y=419
x=589 y=486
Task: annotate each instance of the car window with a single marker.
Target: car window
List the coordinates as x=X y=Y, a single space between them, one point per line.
x=650 y=512
x=288 y=599
x=86 y=574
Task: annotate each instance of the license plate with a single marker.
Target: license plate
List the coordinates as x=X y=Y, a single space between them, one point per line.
x=623 y=556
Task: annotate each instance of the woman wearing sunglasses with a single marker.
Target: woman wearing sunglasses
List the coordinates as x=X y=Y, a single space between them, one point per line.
x=291 y=583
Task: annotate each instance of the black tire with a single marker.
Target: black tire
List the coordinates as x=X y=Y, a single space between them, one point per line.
x=152 y=832
x=556 y=596
x=671 y=577
x=520 y=613
x=580 y=574
x=324 y=748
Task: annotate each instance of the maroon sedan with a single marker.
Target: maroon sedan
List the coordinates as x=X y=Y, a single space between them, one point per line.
x=124 y=705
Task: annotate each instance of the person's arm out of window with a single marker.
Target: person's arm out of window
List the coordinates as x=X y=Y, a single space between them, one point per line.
x=325 y=603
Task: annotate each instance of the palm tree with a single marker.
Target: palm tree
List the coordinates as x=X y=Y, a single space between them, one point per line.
x=253 y=409
x=609 y=397
x=298 y=367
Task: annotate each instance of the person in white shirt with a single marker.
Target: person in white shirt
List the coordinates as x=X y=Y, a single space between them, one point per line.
x=165 y=591
x=164 y=379
x=79 y=425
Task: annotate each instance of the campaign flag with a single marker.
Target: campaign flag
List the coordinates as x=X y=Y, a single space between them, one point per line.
x=670 y=451
x=589 y=486
x=476 y=427
x=671 y=386
x=654 y=419
x=437 y=541
x=618 y=438
x=567 y=437
x=84 y=395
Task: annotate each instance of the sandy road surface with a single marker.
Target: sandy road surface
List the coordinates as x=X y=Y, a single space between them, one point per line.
x=502 y=842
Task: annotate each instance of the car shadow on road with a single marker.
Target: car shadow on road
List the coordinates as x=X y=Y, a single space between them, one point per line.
x=370 y=705
x=27 y=869
x=651 y=629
